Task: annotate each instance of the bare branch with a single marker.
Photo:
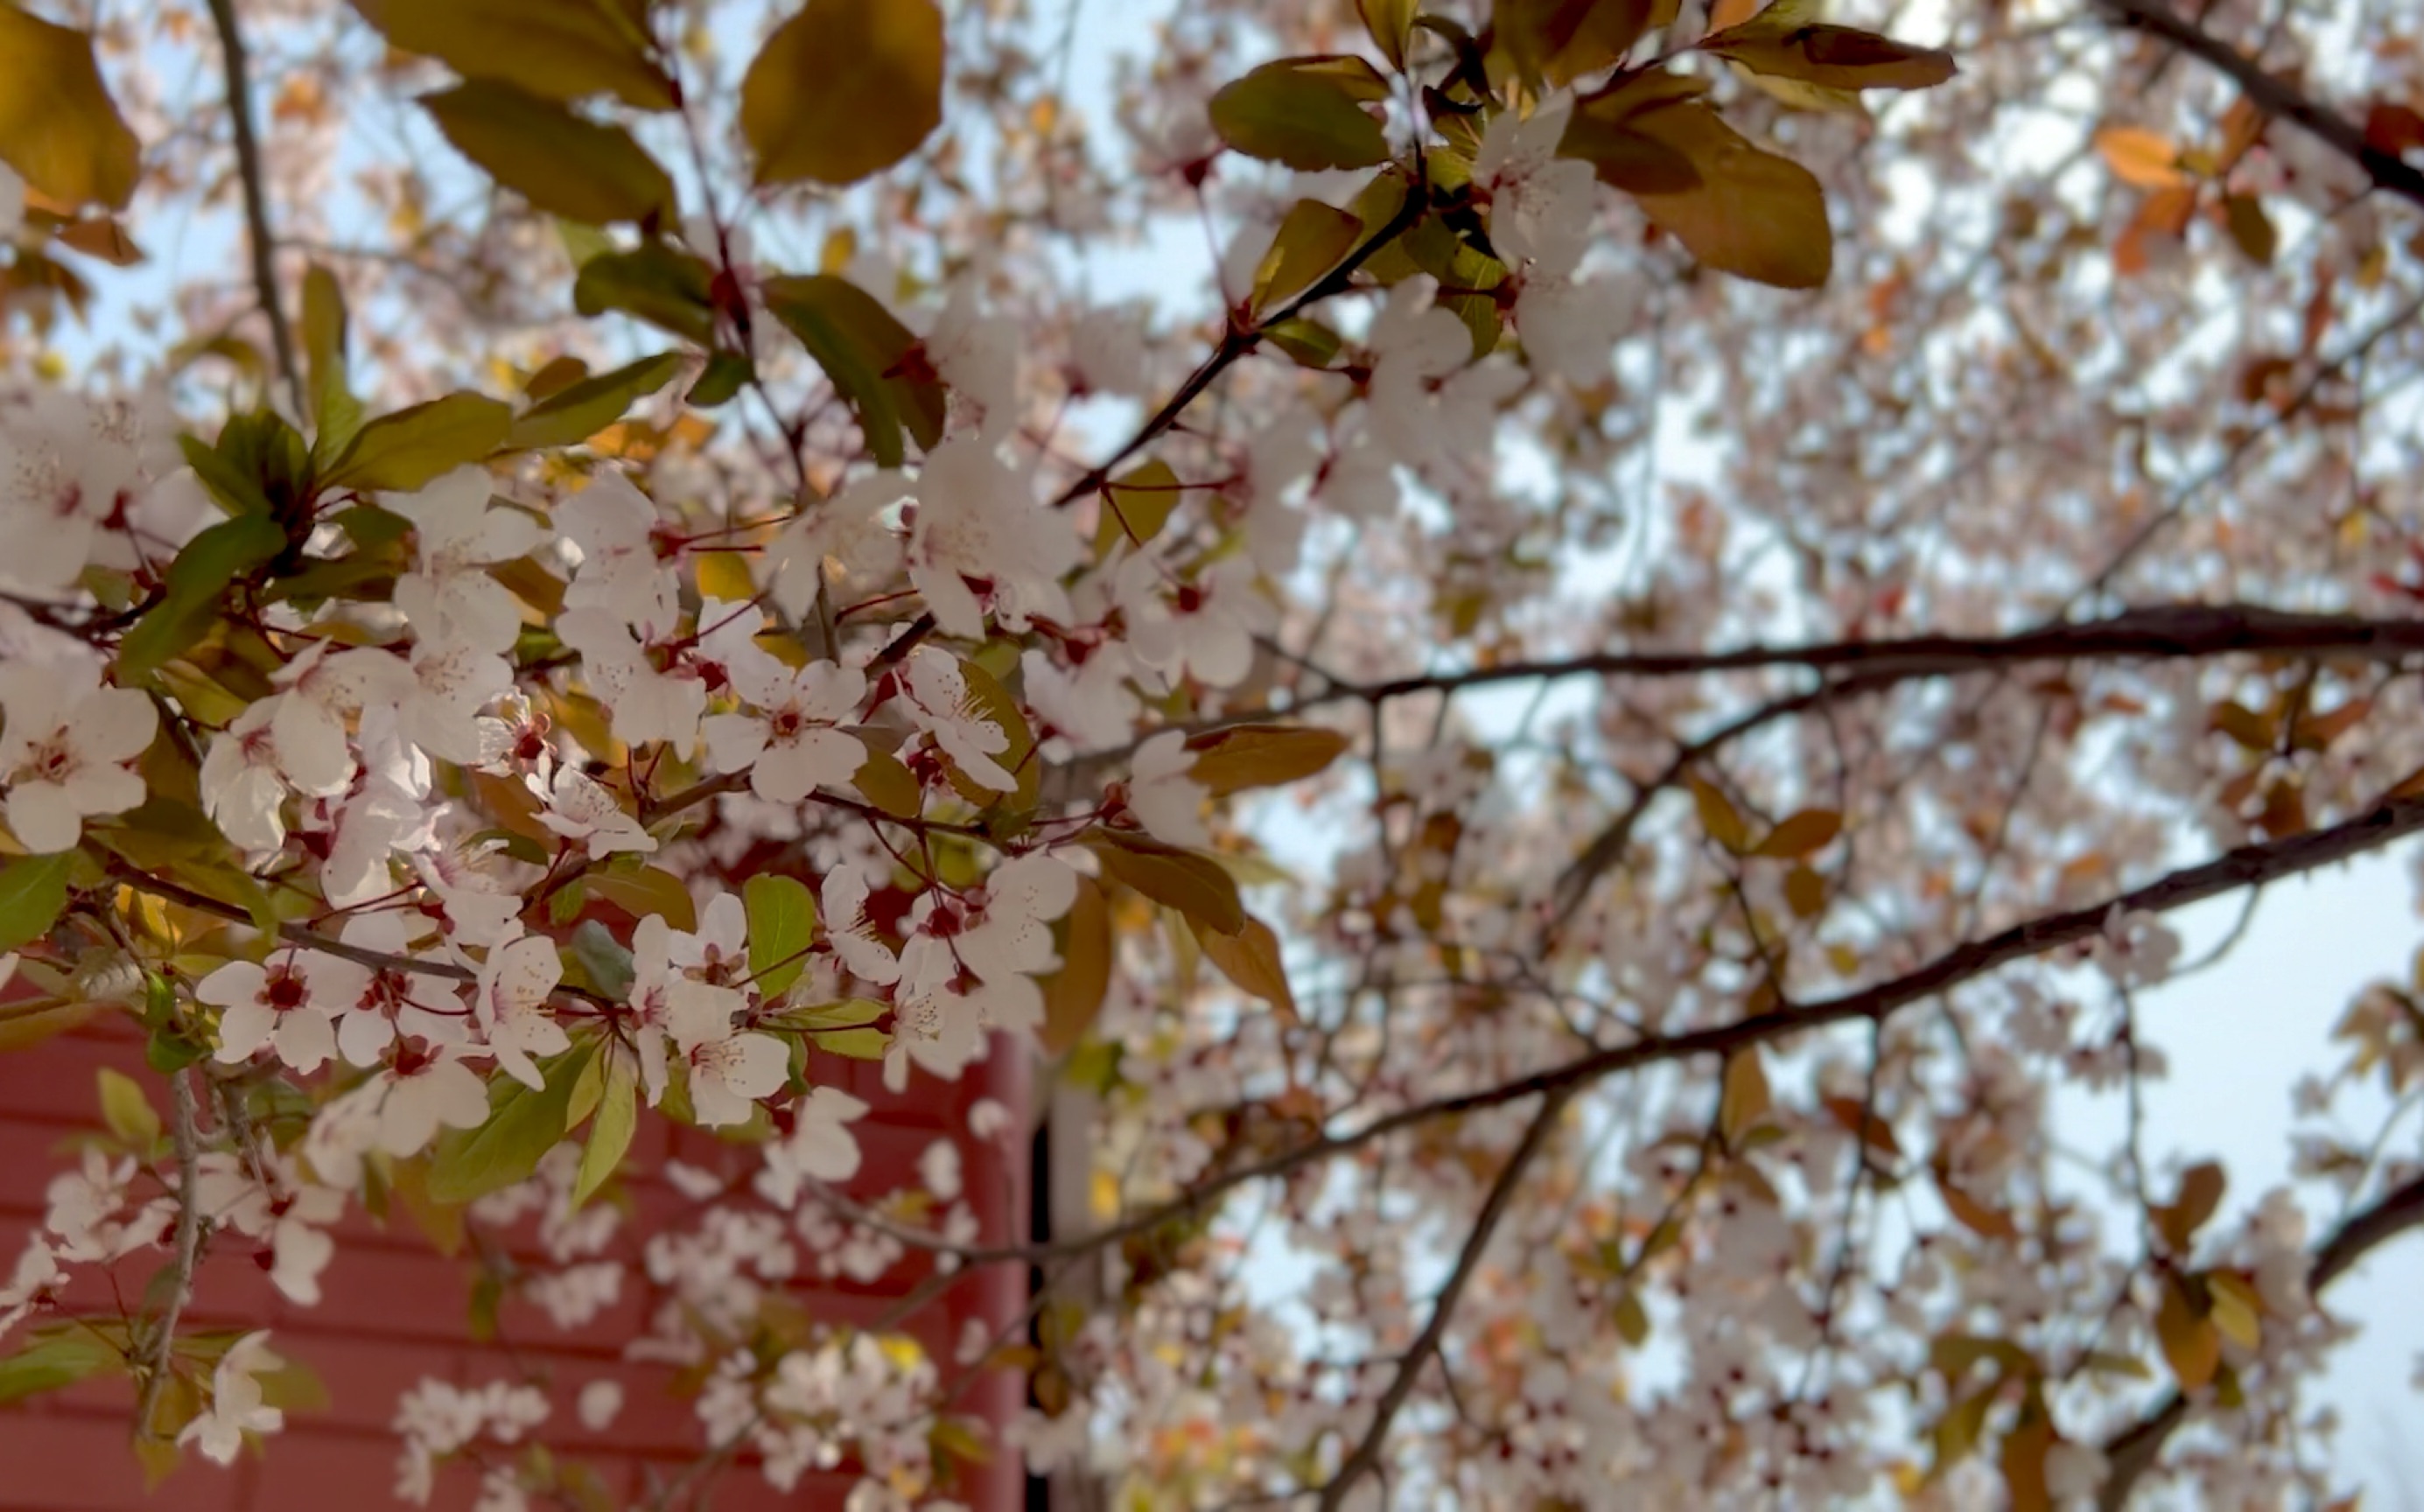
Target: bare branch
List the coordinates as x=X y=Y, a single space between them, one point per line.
x=191 y=1234
x=1409 y=1368
x=256 y=197
x=2273 y=94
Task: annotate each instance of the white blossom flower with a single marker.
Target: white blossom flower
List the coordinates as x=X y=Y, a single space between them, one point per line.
x=64 y=749
x=510 y=1005
x=938 y=700
x=1164 y=799
x=615 y=525
x=841 y=902
x=978 y=518
x=237 y=1406
x=790 y=746
x=1540 y=203
x=581 y=810
x=849 y=534
x=729 y=1070
x=598 y=1404
x=322 y=687
x=647 y=703
x=243 y=788
x=818 y=1147
x=449 y=594
x=290 y=1004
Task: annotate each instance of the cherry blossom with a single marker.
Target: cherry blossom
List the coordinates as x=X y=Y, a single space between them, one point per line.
x=288 y=1004
x=509 y=1003
x=65 y=745
x=236 y=1407
x=581 y=810
x=789 y=747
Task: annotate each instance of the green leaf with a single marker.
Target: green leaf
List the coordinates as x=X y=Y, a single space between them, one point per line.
x=725 y=373
x=559 y=162
x=33 y=893
x=843 y=89
x=865 y=352
x=1136 y=505
x=1751 y=213
x=1559 y=40
x=1391 y=26
x=1308 y=343
x=601 y=958
x=849 y=1013
x=196 y=582
x=1196 y=885
x=58 y=1359
x=668 y=288
x=579 y=410
x=523 y=1126
x=646 y=890
x=126 y=1112
x=399 y=452
x=336 y=414
x=610 y=1137
x=559 y=50
x=854 y=1045
x=1313 y=239
x=1304 y=112
x=59 y=127
x=782 y=924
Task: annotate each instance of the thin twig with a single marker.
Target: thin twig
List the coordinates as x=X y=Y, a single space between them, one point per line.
x=191 y=1233
x=1409 y=1366
x=256 y=198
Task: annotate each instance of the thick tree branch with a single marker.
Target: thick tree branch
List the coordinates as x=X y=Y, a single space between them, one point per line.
x=256 y=196
x=2159 y=632
x=2249 y=866
x=1366 y=1453
x=2273 y=94
x=2132 y=1452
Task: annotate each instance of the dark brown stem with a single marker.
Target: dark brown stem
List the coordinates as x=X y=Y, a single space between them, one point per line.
x=256 y=198
x=2273 y=94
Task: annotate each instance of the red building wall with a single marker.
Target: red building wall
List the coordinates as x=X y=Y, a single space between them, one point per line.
x=394 y=1310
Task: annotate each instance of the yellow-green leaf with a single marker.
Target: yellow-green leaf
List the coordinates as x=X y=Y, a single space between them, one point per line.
x=646 y=891
x=610 y=1135
x=559 y=162
x=336 y=414
x=1559 y=40
x=59 y=127
x=1262 y=755
x=2251 y=229
x=559 y=50
x=1722 y=822
x=581 y=408
x=1195 y=886
x=1304 y=112
x=883 y=781
x=1313 y=238
x=1390 y=23
x=404 y=450
x=670 y=289
x=843 y=89
x=1074 y=994
x=1136 y=505
x=32 y=892
x=864 y=350
x=1250 y=959
x=782 y=924
x=1751 y=213
x=126 y=1112
x=523 y=1126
